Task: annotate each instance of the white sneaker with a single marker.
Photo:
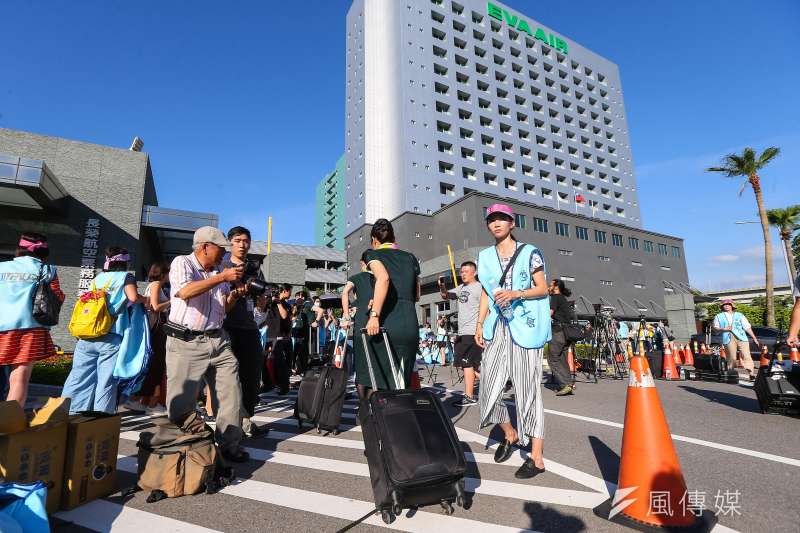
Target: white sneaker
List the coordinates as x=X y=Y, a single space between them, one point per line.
x=134 y=405
x=157 y=410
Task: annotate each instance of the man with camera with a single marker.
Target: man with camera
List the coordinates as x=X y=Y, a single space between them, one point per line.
x=467 y=353
x=197 y=345
x=279 y=331
x=241 y=326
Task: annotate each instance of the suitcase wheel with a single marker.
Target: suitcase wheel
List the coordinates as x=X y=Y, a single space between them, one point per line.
x=387 y=516
x=447 y=508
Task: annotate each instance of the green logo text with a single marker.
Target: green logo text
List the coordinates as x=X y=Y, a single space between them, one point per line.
x=521 y=25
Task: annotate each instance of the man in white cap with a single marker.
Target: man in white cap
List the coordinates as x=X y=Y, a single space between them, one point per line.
x=735 y=327
x=197 y=346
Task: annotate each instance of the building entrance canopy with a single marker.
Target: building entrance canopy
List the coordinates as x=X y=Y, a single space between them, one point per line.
x=29 y=184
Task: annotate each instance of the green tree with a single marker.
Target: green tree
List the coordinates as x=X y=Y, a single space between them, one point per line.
x=787 y=221
x=748 y=165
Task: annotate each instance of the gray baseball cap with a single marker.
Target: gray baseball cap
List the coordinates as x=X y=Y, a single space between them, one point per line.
x=210 y=234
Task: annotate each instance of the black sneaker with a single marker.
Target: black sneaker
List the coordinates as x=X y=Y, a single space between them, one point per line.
x=238 y=456
x=466 y=401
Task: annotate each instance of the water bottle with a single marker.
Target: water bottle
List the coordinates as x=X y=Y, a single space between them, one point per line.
x=506 y=310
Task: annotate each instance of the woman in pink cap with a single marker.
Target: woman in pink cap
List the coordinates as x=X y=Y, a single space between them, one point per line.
x=735 y=327
x=23 y=340
x=513 y=326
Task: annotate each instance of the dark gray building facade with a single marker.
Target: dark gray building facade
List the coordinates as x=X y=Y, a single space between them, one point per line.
x=631 y=269
x=86 y=197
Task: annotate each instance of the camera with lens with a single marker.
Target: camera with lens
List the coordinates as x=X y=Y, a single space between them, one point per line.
x=251 y=280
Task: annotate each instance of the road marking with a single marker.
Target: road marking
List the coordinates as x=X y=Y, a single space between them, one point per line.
x=336 y=507
x=103 y=515
x=574 y=498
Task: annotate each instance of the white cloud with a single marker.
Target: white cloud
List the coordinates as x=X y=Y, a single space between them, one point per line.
x=724 y=258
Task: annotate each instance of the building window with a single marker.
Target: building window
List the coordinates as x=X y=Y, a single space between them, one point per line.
x=676 y=251
x=638 y=286
x=567 y=278
x=565 y=252
x=540 y=225
x=604 y=258
x=519 y=221
x=633 y=243
x=600 y=236
x=616 y=240
x=662 y=249
x=636 y=263
x=582 y=233
x=606 y=282
x=648 y=246
x=665 y=267
x=669 y=290
x=562 y=229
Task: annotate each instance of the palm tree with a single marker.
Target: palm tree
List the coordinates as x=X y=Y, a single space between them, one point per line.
x=748 y=165
x=787 y=221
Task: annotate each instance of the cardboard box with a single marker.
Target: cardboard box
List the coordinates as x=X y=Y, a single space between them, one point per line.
x=91 y=460
x=37 y=452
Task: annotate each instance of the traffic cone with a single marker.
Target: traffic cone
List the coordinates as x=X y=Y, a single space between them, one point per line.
x=764 y=361
x=794 y=356
x=688 y=358
x=641 y=349
x=648 y=462
x=703 y=349
x=630 y=351
x=669 y=370
x=676 y=354
x=571 y=360
x=779 y=356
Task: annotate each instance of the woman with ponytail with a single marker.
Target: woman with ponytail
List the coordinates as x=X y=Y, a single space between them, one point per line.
x=23 y=340
x=91 y=384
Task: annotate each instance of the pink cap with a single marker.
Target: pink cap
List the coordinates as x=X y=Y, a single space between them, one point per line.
x=499 y=208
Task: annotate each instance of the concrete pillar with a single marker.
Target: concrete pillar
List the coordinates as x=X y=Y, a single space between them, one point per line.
x=680 y=314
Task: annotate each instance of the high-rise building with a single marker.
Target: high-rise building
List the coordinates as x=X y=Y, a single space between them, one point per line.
x=329 y=215
x=447 y=97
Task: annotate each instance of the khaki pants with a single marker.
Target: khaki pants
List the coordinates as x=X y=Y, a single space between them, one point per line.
x=744 y=347
x=187 y=363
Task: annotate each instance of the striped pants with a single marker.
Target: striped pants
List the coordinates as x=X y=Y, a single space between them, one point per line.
x=505 y=360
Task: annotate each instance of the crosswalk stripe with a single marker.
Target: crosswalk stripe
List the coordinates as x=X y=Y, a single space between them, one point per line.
x=340 y=507
x=525 y=492
x=103 y=515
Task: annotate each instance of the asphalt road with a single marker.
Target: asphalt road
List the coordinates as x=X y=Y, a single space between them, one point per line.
x=744 y=464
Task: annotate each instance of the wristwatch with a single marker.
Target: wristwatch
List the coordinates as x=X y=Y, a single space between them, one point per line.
x=373 y=314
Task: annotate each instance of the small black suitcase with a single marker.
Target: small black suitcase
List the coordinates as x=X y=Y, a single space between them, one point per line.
x=320 y=398
x=778 y=388
x=414 y=456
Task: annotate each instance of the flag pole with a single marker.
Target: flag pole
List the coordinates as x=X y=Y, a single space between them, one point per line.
x=452 y=265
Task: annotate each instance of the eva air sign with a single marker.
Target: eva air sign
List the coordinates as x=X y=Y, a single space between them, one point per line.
x=521 y=25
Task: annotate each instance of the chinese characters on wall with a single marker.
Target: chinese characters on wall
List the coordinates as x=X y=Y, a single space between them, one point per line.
x=91 y=236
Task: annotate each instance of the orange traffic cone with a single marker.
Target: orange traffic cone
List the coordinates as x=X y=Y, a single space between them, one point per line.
x=688 y=357
x=703 y=349
x=648 y=462
x=669 y=370
x=676 y=354
x=641 y=349
x=794 y=356
x=571 y=360
x=764 y=361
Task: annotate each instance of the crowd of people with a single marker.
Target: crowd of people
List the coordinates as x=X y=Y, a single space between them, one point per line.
x=219 y=331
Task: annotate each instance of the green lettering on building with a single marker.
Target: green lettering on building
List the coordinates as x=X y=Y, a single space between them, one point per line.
x=503 y=15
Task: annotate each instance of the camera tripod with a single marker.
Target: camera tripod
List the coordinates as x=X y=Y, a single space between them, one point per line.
x=604 y=359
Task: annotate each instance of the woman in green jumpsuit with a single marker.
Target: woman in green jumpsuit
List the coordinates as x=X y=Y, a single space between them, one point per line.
x=362 y=285
x=393 y=307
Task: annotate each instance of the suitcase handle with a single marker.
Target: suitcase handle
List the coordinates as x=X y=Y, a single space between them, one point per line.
x=399 y=382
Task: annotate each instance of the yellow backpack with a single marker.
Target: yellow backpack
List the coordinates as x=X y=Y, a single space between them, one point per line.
x=91 y=317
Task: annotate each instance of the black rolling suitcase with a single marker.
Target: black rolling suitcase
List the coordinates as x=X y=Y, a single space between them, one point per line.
x=777 y=387
x=321 y=397
x=414 y=456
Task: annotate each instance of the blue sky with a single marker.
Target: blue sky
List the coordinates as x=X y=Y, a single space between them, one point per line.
x=241 y=104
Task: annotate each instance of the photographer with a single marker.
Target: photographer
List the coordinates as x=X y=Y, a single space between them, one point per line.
x=467 y=353
x=197 y=346
x=241 y=326
x=562 y=314
x=279 y=329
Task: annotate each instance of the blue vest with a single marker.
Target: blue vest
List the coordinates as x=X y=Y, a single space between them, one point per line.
x=738 y=327
x=530 y=323
x=17 y=284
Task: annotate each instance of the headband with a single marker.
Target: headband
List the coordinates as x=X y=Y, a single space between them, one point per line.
x=30 y=245
x=388 y=246
x=114 y=259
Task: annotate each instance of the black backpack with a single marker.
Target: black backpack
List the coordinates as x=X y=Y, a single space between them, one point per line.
x=46 y=305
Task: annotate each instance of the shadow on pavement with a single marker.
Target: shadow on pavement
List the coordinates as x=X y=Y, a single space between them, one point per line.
x=607 y=460
x=737 y=401
x=548 y=519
